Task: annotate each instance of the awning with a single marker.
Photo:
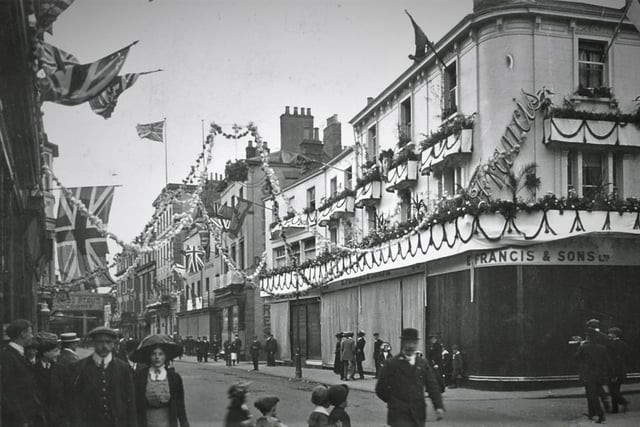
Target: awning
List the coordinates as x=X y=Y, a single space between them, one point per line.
x=593 y=132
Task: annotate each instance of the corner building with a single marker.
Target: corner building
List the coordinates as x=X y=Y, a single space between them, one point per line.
x=510 y=284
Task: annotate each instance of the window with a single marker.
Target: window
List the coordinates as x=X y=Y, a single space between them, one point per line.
x=241 y=193
x=311 y=199
x=450 y=90
x=348 y=177
x=372 y=218
x=405 y=207
x=279 y=257
x=333 y=186
x=372 y=143
x=241 y=255
x=309 y=248
x=333 y=234
x=295 y=253
x=207 y=285
x=199 y=288
x=405 y=120
x=233 y=253
x=593 y=174
x=591 y=65
x=451 y=180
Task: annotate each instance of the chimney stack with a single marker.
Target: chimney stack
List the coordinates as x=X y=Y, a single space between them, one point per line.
x=286 y=110
x=332 y=137
x=250 y=150
x=295 y=111
x=294 y=128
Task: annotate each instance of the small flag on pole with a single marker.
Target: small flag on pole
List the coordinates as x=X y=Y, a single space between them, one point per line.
x=153 y=131
x=239 y=212
x=106 y=101
x=421 y=40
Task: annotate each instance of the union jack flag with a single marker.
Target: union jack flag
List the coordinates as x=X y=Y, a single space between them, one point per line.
x=74 y=84
x=80 y=246
x=193 y=258
x=53 y=58
x=106 y=101
x=153 y=131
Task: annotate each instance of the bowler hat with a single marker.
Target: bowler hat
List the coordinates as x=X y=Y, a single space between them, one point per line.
x=264 y=404
x=319 y=395
x=339 y=335
x=16 y=327
x=409 y=334
x=361 y=334
x=102 y=330
x=338 y=394
x=68 y=337
x=165 y=342
x=45 y=341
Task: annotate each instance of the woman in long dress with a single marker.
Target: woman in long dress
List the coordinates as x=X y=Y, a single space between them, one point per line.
x=337 y=363
x=159 y=389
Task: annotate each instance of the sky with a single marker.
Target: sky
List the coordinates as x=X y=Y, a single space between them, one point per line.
x=225 y=62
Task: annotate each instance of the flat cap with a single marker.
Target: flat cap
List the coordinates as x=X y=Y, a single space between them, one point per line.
x=45 y=341
x=103 y=330
x=16 y=327
x=264 y=404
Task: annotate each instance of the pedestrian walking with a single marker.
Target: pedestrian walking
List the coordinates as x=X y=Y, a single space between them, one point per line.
x=215 y=348
x=377 y=353
x=457 y=366
x=267 y=407
x=255 y=349
x=360 y=344
x=619 y=356
x=48 y=351
x=198 y=349
x=446 y=366
x=205 y=349
x=386 y=353
x=20 y=404
x=271 y=347
x=593 y=366
x=238 y=414
x=599 y=337
x=402 y=385
x=348 y=356
x=337 y=361
x=101 y=386
x=159 y=388
x=338 y=398
x=434 y=356
x=227 y=352
x=68 y=346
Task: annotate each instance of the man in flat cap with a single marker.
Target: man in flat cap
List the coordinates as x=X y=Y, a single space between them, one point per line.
x=20 y=403
x=402 y=383
x=101 y=386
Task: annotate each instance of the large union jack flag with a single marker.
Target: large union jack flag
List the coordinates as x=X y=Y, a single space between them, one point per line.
x=193 y=257
x=80 y=246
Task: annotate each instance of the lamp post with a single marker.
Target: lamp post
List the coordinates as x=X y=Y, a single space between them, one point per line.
x=298 y=356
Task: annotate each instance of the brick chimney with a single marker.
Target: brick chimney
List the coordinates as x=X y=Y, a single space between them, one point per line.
x=332 y=137
x=250 y=150
x=294 y=128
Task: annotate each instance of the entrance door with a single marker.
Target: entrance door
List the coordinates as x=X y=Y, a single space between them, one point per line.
x=305 y=323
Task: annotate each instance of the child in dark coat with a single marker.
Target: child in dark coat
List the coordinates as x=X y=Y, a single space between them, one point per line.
x=238 y=414
x=320 y=415
x=338 y=398
x=267 y=406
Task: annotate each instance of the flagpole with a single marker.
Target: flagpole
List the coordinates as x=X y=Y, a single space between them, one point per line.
x=166 y=167
x=615 y=33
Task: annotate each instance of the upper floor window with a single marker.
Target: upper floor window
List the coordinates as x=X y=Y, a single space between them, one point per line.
x=333 y=186
x=207 y=285
x=450 y=90
x=405 y=121
x=241 y=254
x=311 y=199
x=348 y=176
x=594 y=174
x=372 y=218
x=591 y=63
x=372 y=143
x=295 y=252
x=333 y=235
x=279 y=258
x=309 y=248
x=241 y=193
x=405 y=206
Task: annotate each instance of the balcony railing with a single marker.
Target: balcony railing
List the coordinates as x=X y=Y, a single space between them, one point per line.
x=460 y=143
x=294 y=224
x=402 y=176
x=592 y=132
x=369 y=194
x=340 y=208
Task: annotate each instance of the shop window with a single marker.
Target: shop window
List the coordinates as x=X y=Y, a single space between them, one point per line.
x=348 y=176
x=279 y=257
x=591 y=63
x=333 y=186
x=311 y=199
x=372 y=143
x=309 y=248
x=450 y=90
x=405 y=121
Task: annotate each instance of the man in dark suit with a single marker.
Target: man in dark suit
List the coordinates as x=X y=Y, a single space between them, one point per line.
x=593 y=368
x=348 y=356
x=101 y=386
x=255 y=349
x=199 y=349
x=402 y=383
x=377 y=352
x=20 y=404
x=619 y=353
x=360 y=343
x=205 y=349
x=271 y=347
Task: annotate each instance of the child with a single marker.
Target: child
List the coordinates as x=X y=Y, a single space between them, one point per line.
x=267 y=406
x=338 y=398
x=320 y=415
x=238 y=414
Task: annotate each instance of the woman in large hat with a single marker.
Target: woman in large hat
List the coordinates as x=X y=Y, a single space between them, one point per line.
x=159 y=390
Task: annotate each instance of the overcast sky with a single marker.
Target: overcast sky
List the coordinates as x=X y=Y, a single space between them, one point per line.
x=224 y=61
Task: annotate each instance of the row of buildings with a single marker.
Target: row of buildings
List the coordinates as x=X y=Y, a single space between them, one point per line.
x=489 y=198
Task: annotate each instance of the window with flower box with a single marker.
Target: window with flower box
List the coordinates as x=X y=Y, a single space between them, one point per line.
x=450 y=90
x=348 y=177
x=279 y=257
x=311 y=199
x=333 y=186
x=372 y=143
x=594 y=174
x=309 y=248
x=405 y=121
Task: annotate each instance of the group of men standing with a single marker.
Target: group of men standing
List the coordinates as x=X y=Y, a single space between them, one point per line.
x=62 y=390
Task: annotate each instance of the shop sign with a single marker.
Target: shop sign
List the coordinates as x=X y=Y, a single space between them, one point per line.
x=79 y=302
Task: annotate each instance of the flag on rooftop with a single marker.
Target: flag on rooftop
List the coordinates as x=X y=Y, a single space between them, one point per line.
x=193 y=259
x=239 y=213
x=74 y=84
x=421 y=40
x=153 y=131
x=49 y=10
x=106 y=101
x=81 y=248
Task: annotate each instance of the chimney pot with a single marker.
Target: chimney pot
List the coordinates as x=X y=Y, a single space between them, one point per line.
x=316 y=134
x=308 y=111
x=369 y=100
x=295 y=111
x=286 y=110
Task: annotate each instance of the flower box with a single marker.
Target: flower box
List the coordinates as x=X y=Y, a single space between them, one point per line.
x=402 y=176
x=340 y=208
x=369 y=194
x=459 y=143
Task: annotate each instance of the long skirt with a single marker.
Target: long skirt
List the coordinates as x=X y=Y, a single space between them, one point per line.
x=158 y=417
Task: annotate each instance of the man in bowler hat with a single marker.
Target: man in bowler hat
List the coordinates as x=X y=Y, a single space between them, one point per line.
x=101 y=386
x=402 y=383
x=593 y=370
x=20 y=403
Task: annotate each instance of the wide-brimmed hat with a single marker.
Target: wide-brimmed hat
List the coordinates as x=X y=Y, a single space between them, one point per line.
x=68 y=337
x=16 y=327
x=45 y=341
x=410 y=334
x=265 y=404
x=103 y=330
x=338 y=393
x=165 y=342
